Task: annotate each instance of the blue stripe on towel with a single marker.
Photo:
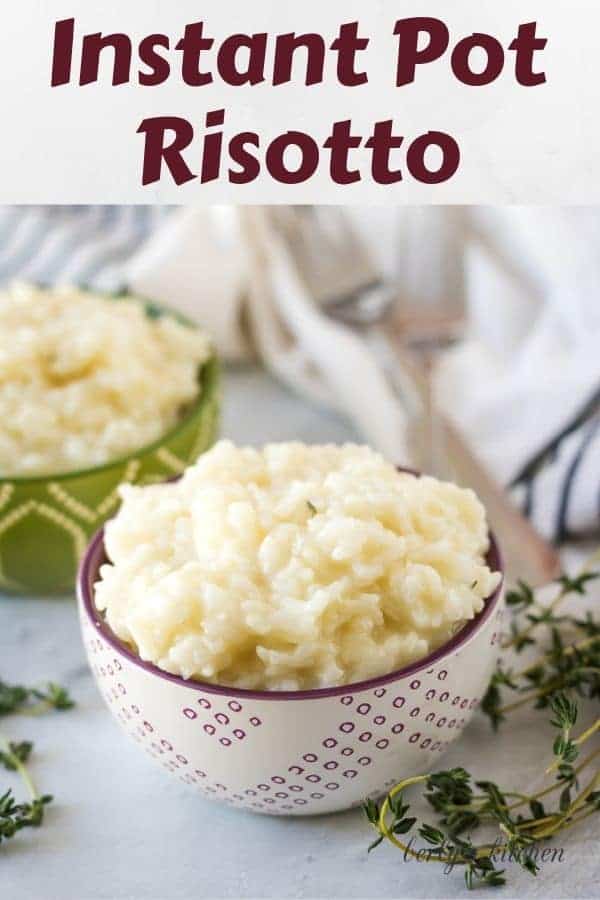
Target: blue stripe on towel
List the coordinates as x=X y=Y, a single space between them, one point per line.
x=135 y=232
x=562 y=527
x=549 y=452
x=88 y=226
x=547 y=482
x=85 y=245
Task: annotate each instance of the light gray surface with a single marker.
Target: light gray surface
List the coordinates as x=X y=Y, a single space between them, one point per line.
x=121 y=829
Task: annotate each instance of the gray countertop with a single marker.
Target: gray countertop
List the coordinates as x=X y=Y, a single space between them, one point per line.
x=121 y=829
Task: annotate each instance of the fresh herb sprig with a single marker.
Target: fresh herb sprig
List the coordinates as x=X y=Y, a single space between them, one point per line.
x=463 y=805
x=16 y=698
x=16 y=816
x=14 y=756
x=566 y=669
x=568 y=659
x=522 y=600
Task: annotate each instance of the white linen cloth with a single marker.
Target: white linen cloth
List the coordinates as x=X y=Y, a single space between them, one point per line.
x=528 y=367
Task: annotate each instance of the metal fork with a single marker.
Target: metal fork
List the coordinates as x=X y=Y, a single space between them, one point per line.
x=341 y=276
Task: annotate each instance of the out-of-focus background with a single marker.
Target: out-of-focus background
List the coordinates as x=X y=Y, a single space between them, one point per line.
x=324 y=314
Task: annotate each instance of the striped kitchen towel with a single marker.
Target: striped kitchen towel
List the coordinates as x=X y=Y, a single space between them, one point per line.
x=85 y=245
x=559 y=488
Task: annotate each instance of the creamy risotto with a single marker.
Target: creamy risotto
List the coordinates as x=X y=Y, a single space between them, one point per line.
x=85 y=379
x=293 y=567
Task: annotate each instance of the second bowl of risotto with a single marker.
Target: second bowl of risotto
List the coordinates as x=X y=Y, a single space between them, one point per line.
x=94 y=391
x=293 y=629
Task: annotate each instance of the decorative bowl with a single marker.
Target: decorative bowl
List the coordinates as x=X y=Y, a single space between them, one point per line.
x=302 y=752
x=46 y=521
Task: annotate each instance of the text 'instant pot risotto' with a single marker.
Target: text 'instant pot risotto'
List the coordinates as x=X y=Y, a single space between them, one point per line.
x=293 y=567
x=85 y=379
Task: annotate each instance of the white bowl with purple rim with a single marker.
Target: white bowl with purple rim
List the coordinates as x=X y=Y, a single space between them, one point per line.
x=300 y=752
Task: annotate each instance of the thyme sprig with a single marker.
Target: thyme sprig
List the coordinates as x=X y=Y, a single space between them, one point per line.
x=14 y=756
x=463 y=805
x=16 y=816
x=16 y=698
x=569 y=661
x=565 y=671
x=522 y=600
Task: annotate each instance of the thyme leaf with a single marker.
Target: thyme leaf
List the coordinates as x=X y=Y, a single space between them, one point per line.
x=14 y=755
x=565 y=672
x=16 y=698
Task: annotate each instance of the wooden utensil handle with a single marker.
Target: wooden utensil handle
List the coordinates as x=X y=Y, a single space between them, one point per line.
x=527 y=555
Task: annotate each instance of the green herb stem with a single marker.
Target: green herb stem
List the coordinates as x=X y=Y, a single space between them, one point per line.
x=16 y=699
x=549 y=609
x=20 y=767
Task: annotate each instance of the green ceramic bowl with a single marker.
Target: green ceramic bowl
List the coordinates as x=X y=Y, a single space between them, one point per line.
x=46 y=522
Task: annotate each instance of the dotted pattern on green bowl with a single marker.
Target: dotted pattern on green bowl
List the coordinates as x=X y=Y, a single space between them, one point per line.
x=45 y=524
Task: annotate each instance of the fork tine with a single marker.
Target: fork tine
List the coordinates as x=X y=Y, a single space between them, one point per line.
x=328 y=253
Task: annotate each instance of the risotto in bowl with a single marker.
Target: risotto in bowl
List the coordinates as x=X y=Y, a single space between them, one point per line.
x=94 y=391
x=295 y=628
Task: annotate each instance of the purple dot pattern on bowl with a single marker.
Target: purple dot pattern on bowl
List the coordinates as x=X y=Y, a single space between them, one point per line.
x=371 y=725
x=226 y=727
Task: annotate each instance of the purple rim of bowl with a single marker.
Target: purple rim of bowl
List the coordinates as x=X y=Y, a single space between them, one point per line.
x=95 y=556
